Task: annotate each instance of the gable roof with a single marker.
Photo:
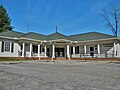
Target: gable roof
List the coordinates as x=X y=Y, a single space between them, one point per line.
x=56 y=36
x=12 y=34
x=89 y=36
x=32 y=35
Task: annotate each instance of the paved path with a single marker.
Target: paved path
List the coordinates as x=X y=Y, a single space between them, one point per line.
x=60 y=76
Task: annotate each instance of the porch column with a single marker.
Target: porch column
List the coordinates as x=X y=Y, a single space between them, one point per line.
x=68 y=51
x=85 y=50
x=30 y=50
x=73 y=51
x=118 y=49
x=38 y=50
x=80 y=51
x=23 y=50
x=45 y=51
x=98 y=47
x=114 y=49
x=53 y=51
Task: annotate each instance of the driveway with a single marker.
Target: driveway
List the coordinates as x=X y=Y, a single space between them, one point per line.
x=60 y=76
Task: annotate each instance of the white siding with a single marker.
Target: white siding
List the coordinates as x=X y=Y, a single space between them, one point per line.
x=9 y=54
x=118 y=49
x=106 y=51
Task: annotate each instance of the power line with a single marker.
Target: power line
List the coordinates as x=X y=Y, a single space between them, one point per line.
x=56 y=29
x=28 y=17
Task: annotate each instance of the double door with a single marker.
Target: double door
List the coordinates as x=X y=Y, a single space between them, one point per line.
x=59 y=52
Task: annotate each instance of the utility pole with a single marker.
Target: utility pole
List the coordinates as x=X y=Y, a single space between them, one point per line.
x=56 y=29
x=28 y=17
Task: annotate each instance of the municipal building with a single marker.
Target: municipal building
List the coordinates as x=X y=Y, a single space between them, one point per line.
x=57 y=45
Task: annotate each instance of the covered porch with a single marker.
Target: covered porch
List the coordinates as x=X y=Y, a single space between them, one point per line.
x=68 y=50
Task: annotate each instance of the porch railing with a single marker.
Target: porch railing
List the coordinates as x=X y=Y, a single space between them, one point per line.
x=106 y=55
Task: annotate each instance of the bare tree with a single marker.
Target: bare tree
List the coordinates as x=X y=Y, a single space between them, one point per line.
x=112 y=17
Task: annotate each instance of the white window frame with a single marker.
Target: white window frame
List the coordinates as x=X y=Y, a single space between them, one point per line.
x=9 y=46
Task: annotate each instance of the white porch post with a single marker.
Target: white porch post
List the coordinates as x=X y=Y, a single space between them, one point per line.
x=73 y=51
x=118 y=49
x=68 y=51
x=53 y=51
x=38 y=50
x=114 y=49
x=98 y=46
x=85 y=49
x=23 y=50
x=45 y=51
x=30 y=50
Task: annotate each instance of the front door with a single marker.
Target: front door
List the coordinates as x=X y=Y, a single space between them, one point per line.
x=59 y=52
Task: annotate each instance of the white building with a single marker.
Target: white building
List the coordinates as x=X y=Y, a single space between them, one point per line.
x=56 y=45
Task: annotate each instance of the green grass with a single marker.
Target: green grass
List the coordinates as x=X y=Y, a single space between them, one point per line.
x=9 y=59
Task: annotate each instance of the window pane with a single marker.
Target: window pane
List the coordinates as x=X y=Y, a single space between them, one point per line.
x=7 y=46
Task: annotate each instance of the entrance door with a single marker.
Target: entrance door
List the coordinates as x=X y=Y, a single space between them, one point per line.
x=92 y=51
x=59 y=52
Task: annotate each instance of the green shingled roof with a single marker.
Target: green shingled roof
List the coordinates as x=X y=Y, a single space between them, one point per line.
x=12 y=34
x=89 y=36
x=56 y=36
x=32 y=35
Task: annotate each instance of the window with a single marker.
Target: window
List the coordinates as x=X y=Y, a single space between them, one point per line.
x=91 y=49
x=35 y=49
x=77 y=50
x=7 y=46
x=96 y=47
x=48 y=50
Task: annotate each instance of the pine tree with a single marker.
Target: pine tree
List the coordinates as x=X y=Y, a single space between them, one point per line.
x=5 y=21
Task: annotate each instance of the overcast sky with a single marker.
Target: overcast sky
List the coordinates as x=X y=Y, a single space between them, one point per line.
x=71 y=16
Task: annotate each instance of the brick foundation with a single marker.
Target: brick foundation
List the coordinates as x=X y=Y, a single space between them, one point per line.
x=33 y=58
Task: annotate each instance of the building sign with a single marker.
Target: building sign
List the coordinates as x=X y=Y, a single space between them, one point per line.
x=108 y=45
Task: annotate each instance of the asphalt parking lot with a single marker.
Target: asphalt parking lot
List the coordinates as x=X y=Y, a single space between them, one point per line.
x=60 y=76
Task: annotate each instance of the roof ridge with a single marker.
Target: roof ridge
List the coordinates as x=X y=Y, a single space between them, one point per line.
x=32 y=33
x=57 y=33
x=12 y=34
x=89 y=33
x=80 y=34
x=12 y=31
x=37 y=33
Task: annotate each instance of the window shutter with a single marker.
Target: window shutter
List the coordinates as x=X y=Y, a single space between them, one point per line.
x=2 y=50
x=12 y=47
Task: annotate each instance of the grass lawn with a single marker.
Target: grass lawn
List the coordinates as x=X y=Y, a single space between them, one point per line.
x=9 y=59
